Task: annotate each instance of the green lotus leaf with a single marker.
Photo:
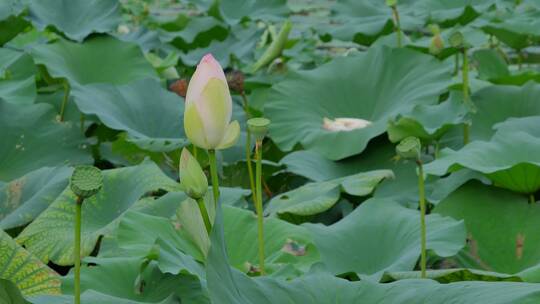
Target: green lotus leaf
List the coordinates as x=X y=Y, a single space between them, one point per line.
x=17 y=80
x=491 y=64
x=10 y=293
x=234 y=11
x=394 y=243
x=75 y=18
x=428 y=122
x=315 y=198
x=19 y=266
x=32 y=138
x=501 y=227
x=92 y=296
x=97 y=60
x=299 y=104
x=198 y=32
x=517 y=30
x=510 y=159
x=50 y=236
x=145 y=38
x=497 y=103
x=240 y=43
x=11 y=23
x=379 y=155
x=229 y=286
x=453 y=275
x=150 y=115
x=124 y=272
x=23 y=199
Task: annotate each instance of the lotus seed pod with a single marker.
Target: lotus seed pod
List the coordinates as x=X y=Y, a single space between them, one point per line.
x=258 y=127
x=86 y=181
x=409 y=147
x=192 y=177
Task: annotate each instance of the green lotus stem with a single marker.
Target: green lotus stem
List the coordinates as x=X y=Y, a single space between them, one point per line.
x=456 y=64
x=214 y=175
x=466 y=97
x=520 y=59
x=195 y=151
x=258 y=204
x=437 y=149
x=397 y=24
x=421 y=192
x=531 y=198
x=248 y=149
x=65 y=100
x=82 y=122
x=77 y=250
x=204 y=214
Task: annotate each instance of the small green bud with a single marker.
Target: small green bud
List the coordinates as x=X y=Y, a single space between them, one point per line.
x=258 y=127
x=457 y=40
x=192 y=177
x=86 y=181
x=391 y=3
x=409 y=147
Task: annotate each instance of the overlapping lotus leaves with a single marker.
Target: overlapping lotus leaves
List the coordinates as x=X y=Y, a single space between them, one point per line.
x=17 y=81
x=233 y=11
x=365 y=21
x=229 y=286
x=315 y=198
x=11 y=23
x=150 y=115
x=428 y=122
x=19 y=266
x=10 y=293
x=502 y=229
x=510 y=159
x=75 y=18
x=50 y=235
x=299 y=104
x=133 y=284
x=517 y=29
x=97 y=60
x=24 y=150
x=197 y=32
x=394 y=243
x=24 y=198
x=497 y=103
x=453 y=275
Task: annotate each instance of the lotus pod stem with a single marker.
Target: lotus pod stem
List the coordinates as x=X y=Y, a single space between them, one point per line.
x=275 y=48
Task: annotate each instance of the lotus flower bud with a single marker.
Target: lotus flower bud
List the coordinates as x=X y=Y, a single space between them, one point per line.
x=208 y=108
x=437 y=44
x=391 y=2
x=192 y=177
x=409 y=148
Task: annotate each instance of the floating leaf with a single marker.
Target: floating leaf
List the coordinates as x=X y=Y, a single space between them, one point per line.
x=75 y=18
x=97 y=60
x=299 y=104
x=17 y=81
x=32 y=138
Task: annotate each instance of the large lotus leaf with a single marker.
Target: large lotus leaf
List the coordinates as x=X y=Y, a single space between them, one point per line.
x=50 y=236
x=97 y=60
x=32 y=138
x=452 y=275
x=284 y=243
x=145 y=38
x=76 y=18
x=497 y=103
x=299 y=104
x=17 y=82
x=151 y=115
x=229 y=286
x=19 y=266
x=24 y=198
x=123 y=278
x=394 y=243
x=235 y=10
x=428 y=122
x=91 y=296
x=315 y=198
x=502 y=228
x=198 y=32
x=518 y=30
x=510 y=159
x=403 y=187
